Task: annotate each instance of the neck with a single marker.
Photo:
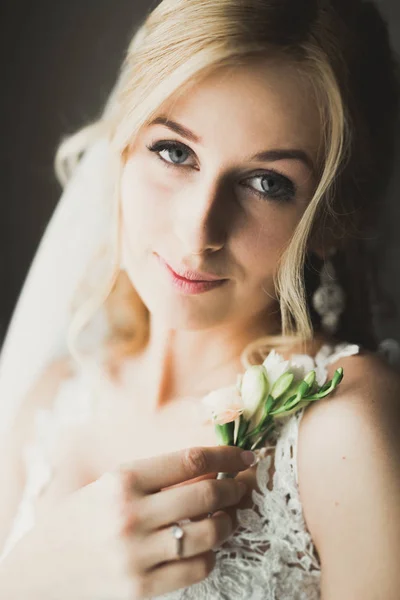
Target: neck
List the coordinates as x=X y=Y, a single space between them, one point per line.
x=181 y=363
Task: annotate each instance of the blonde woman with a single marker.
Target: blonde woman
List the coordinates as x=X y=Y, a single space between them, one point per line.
x=219 y=208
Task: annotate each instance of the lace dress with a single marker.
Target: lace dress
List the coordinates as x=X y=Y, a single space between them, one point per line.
x=270 y=556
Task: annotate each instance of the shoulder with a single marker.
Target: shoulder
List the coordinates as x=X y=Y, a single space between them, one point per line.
x=349 y=478
x=369 y=392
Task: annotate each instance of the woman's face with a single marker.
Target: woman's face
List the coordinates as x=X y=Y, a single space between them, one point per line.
x=220 y=188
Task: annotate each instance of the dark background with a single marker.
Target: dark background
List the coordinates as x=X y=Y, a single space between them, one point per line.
x=59 y=61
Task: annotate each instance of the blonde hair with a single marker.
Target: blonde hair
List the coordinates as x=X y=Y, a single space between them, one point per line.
x=178 y=44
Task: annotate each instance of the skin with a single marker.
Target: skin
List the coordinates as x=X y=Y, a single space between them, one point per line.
x=204 y=213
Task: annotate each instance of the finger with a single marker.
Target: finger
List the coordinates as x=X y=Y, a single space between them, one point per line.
x=161 y=546
x=190 y=481
x=175 y=504
x=230 y=510
x=157 y=472
x=175 y=575
x=203 y=477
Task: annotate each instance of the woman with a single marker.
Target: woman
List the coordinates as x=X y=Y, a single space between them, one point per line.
x=248 y=145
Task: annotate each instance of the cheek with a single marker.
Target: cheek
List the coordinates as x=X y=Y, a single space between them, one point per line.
x=265 y=237
x=142 y=212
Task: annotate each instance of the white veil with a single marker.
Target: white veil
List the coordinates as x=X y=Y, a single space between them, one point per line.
x=38 y=330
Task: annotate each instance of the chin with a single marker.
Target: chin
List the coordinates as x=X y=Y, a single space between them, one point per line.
x=177 y=311
x=183 y=312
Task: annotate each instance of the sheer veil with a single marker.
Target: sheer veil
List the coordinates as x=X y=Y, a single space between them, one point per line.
x=38 y=330
x=79 y=227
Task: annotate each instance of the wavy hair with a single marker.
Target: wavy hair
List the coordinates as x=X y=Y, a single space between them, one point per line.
x=342 y=48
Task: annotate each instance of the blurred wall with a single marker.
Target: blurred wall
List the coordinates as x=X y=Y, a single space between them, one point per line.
x=59 y=60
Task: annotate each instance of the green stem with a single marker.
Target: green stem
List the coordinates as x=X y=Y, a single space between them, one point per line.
x=263 y=437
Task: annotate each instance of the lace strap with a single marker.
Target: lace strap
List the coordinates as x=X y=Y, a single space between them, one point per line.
x=286 y=475
x=286 y=472
x=329 y=354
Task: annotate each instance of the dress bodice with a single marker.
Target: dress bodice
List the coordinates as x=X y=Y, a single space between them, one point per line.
x=270 y=556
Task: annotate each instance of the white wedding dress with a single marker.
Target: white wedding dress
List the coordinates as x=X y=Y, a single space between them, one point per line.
x=270 y=556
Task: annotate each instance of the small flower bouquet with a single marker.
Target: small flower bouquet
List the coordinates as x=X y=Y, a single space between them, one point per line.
x=244 y=413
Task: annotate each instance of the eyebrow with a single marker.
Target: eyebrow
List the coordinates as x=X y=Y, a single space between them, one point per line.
x=267 y=155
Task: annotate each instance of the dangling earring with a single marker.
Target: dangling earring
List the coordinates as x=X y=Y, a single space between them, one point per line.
x=329 y=298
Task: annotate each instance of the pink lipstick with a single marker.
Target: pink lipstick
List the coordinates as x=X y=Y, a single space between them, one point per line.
x=189 y=284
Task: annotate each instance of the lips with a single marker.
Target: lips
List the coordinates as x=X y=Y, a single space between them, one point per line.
x=191 y=275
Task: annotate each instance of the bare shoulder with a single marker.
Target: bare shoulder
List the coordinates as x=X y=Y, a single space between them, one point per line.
x=370 y=391
x=349 y=480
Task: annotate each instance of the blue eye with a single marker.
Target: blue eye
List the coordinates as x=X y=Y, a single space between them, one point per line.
x=275 y=187
x=170 y=147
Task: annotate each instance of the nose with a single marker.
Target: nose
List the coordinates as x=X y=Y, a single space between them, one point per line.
x=200 y=220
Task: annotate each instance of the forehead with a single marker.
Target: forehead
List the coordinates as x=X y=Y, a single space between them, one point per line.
x=260 y=104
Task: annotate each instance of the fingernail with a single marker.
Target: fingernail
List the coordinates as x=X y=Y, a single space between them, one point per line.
x=248 y=457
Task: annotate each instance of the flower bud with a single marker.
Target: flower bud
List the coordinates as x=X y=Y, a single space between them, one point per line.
x=281 y=385
x=310 y=378
x=305 y=385
x=253 y=389
x=337 y=377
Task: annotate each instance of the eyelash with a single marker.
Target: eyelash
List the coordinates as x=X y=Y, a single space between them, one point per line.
x=289 y=188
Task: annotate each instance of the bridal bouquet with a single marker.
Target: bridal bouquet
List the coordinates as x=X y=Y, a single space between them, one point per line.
x=244 y=414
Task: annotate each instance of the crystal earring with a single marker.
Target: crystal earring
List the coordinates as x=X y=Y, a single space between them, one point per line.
x=329 y=298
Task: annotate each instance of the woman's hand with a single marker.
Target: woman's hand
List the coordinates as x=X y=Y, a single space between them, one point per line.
x=115 y=540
